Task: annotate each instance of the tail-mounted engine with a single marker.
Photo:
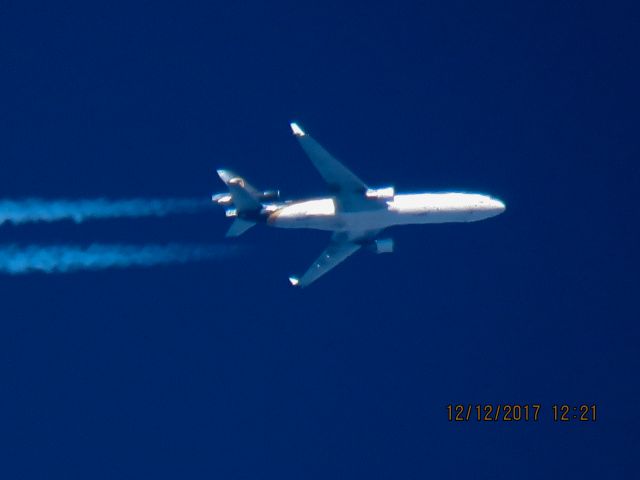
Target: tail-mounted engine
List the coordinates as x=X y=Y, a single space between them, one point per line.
x=270 y=195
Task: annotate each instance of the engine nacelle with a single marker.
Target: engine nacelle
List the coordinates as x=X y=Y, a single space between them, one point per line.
x=222 y=198
x=270 y=195
x=386 y=193
x=383 y=245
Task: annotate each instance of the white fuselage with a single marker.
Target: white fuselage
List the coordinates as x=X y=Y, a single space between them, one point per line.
x=417 y=208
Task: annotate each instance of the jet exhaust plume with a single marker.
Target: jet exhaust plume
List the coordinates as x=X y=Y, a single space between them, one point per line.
x=40 y=210
x=16 y=259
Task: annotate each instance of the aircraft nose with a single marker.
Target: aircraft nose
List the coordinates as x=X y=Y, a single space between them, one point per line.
x=498 y=206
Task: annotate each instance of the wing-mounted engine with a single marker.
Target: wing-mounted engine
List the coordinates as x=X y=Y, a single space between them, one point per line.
x=386 y=193
x=383 y=245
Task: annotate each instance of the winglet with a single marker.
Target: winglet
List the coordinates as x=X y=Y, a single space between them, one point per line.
x=297 y=131
x=294 y=281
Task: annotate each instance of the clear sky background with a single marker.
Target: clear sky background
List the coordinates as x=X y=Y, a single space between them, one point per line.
x=222 y=370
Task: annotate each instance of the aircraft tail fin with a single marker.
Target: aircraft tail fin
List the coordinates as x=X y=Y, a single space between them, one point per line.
x=244 y=196
x=239 y=226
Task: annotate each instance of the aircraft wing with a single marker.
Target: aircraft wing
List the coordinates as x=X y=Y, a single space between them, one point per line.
x=341 y=247
x=334 y=254
x=340 y=179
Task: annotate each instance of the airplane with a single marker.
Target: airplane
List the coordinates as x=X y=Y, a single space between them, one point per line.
x=353 y=212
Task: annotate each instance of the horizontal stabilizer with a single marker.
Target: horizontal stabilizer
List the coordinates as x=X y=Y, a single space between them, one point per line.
x=227 y=176
x=238 y=227
x=244 y=196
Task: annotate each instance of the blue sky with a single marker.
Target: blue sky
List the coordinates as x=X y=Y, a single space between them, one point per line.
x=222 y=369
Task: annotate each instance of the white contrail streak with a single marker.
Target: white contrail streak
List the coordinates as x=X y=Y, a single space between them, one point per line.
x=15 y=259
x=40 y=210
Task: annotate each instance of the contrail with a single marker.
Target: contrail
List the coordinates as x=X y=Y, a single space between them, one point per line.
x=15 y=259
x=40 y=210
